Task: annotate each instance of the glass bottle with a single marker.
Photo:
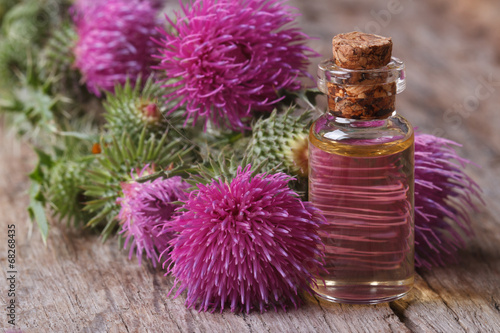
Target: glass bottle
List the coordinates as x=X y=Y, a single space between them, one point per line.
x=361 y=176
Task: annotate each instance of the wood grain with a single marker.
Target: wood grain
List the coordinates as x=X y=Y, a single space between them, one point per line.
x=78 y=284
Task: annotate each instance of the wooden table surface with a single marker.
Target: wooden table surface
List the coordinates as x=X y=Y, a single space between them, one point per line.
x=451 y=49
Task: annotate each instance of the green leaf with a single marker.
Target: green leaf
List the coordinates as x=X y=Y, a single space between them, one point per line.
x=37 y=198
x=36 y=208
x=37 y=212
x=78 y=135
x=307 y=96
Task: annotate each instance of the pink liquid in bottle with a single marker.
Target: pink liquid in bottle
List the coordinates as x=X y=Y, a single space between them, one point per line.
x=368 y=204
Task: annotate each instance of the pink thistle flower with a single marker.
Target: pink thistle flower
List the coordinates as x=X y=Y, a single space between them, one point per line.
x=226 y=58
x=250 y=242
x=145 y=209
x=114 y=42
x=443 y=201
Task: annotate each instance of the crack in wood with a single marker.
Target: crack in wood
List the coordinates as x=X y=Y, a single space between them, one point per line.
x=123 y=321
x=324 y=313
x=247 y=323
x=454 y=314
x=495 y=304
x=165 y=305
x=399 y=311
x=268 y=329
x=172 y=318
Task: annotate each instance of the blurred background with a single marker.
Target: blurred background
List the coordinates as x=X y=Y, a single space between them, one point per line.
x=451 y=49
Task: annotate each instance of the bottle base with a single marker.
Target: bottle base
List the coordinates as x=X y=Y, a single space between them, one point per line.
x=363 y=293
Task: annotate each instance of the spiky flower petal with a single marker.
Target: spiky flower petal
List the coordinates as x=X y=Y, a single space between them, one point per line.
x=444 y=199
x=114 y=43
x=229 y=57
x=86 y=5
x=145 y=208
x=244 y=243
x=281 y=141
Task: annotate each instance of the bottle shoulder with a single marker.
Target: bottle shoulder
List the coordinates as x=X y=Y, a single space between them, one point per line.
x=361 y=138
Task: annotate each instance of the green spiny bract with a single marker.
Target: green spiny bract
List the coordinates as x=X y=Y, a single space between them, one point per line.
x=57 y=55
x=64 y=191
x=56 y=64
x=221 y=168
x=114 y=165
x=5 y=6
x=281 y=141
x=29 y=23
x=214 y=142
x=131 y=108
x=72 y=156
x=25 y=28
x=13 y=60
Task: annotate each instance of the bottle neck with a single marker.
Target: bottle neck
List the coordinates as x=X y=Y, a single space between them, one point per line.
x=366 y=102
x=368 y=94
x=360 y=123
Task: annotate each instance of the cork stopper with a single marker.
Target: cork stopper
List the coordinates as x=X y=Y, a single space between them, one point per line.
x=366 y=94
x=358 y=50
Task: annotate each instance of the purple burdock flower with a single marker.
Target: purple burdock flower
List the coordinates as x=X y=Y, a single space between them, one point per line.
x=443 y=201
x=247 y=243
x=225 y=58
x=114 y=42
x=145 y=209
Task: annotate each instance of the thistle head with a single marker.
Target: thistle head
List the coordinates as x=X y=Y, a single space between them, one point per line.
x=228 y=58
x=243 y=243
x=282 y=142
x=145 y=208
x=445 y=197
x=114 y=43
